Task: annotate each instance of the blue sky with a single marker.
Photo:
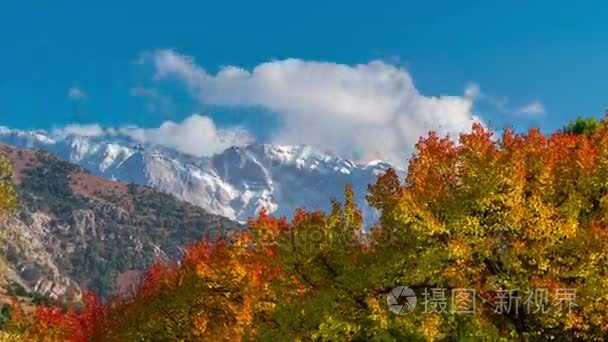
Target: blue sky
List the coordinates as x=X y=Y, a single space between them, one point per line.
x=547 y=59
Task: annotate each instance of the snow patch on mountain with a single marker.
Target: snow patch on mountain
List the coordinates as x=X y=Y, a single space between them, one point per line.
x=236 y=183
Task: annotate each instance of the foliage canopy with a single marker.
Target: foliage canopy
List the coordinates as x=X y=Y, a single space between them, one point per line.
x=522 y=212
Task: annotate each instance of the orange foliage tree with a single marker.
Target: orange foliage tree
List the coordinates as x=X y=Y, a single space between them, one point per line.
x=218 y=288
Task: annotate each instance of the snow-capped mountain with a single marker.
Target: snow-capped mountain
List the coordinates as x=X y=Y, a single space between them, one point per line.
x=236 y=183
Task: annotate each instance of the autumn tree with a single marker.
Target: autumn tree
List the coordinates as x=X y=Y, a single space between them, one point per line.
x=323 y=293
x=76 y=323
x=217 y=290
x=519 y=213
x=502 y=218
x=7 y=189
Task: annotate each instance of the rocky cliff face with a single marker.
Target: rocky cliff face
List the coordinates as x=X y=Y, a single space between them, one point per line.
x=26 y=251
x=76 y=231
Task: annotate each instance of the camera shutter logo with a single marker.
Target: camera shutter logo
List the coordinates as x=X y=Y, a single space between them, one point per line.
x=401 y=300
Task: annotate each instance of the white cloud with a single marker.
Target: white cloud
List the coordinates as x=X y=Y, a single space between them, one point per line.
x=76 y=93
x=532 y=108
x=472 y=90
x=92 y=130
x=502 y=103
x=197 y=135
x=373 y=109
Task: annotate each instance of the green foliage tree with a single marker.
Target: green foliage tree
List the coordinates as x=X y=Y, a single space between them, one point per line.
x=5 y=315
x=8 y=197
x=7 y=190
x=583 y=126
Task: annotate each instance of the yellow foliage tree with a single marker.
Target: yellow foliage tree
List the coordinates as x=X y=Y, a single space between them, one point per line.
x=7 y=189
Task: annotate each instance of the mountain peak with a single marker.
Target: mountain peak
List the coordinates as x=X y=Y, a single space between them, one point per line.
x=234 y=183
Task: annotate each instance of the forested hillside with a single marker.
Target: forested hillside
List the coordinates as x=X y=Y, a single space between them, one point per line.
x=74 y=231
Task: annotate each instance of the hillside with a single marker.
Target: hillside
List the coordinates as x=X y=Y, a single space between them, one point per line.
x=76 y=231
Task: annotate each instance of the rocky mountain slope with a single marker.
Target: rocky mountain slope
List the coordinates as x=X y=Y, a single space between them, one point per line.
x=74 y=230
x=235 y=183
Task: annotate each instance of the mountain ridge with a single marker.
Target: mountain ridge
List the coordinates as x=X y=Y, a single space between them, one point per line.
x=235 y=183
